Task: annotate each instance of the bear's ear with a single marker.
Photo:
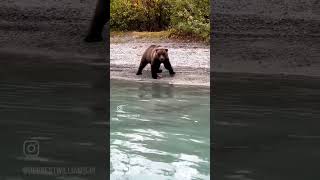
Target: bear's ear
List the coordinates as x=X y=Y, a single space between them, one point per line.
x=166 y=50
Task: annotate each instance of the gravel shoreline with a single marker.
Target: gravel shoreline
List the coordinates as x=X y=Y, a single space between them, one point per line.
x=125 y=59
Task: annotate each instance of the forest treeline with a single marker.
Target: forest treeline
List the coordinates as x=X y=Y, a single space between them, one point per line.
x=180 y=17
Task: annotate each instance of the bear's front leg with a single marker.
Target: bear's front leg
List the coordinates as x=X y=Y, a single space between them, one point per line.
x=154 y=70
x=168 y=66
x=143 y=64
x=157 y=66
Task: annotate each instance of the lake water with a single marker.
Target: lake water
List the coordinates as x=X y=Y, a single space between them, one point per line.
x=57 y=107
x=266 y=127
x=159 y=131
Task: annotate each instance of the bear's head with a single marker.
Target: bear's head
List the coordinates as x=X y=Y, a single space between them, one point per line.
x=162 y=54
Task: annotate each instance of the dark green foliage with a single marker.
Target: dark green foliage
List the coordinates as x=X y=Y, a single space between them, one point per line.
x=181 y=17
x=140 y=15
x=191 y=18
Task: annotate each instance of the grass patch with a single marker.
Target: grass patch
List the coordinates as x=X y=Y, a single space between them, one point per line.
x=142 y=35
x=160 y=35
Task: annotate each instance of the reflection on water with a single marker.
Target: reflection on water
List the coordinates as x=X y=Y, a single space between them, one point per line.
x=159 y=131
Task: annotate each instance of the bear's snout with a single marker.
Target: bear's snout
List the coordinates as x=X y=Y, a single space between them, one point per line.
x=162 y=58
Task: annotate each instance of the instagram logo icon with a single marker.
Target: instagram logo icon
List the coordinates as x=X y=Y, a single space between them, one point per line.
x=31 y=148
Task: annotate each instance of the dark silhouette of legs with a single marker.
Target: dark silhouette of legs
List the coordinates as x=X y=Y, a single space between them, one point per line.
x=101 y=17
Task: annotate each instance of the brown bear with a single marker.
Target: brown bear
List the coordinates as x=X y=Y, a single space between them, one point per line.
x=155 y=55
